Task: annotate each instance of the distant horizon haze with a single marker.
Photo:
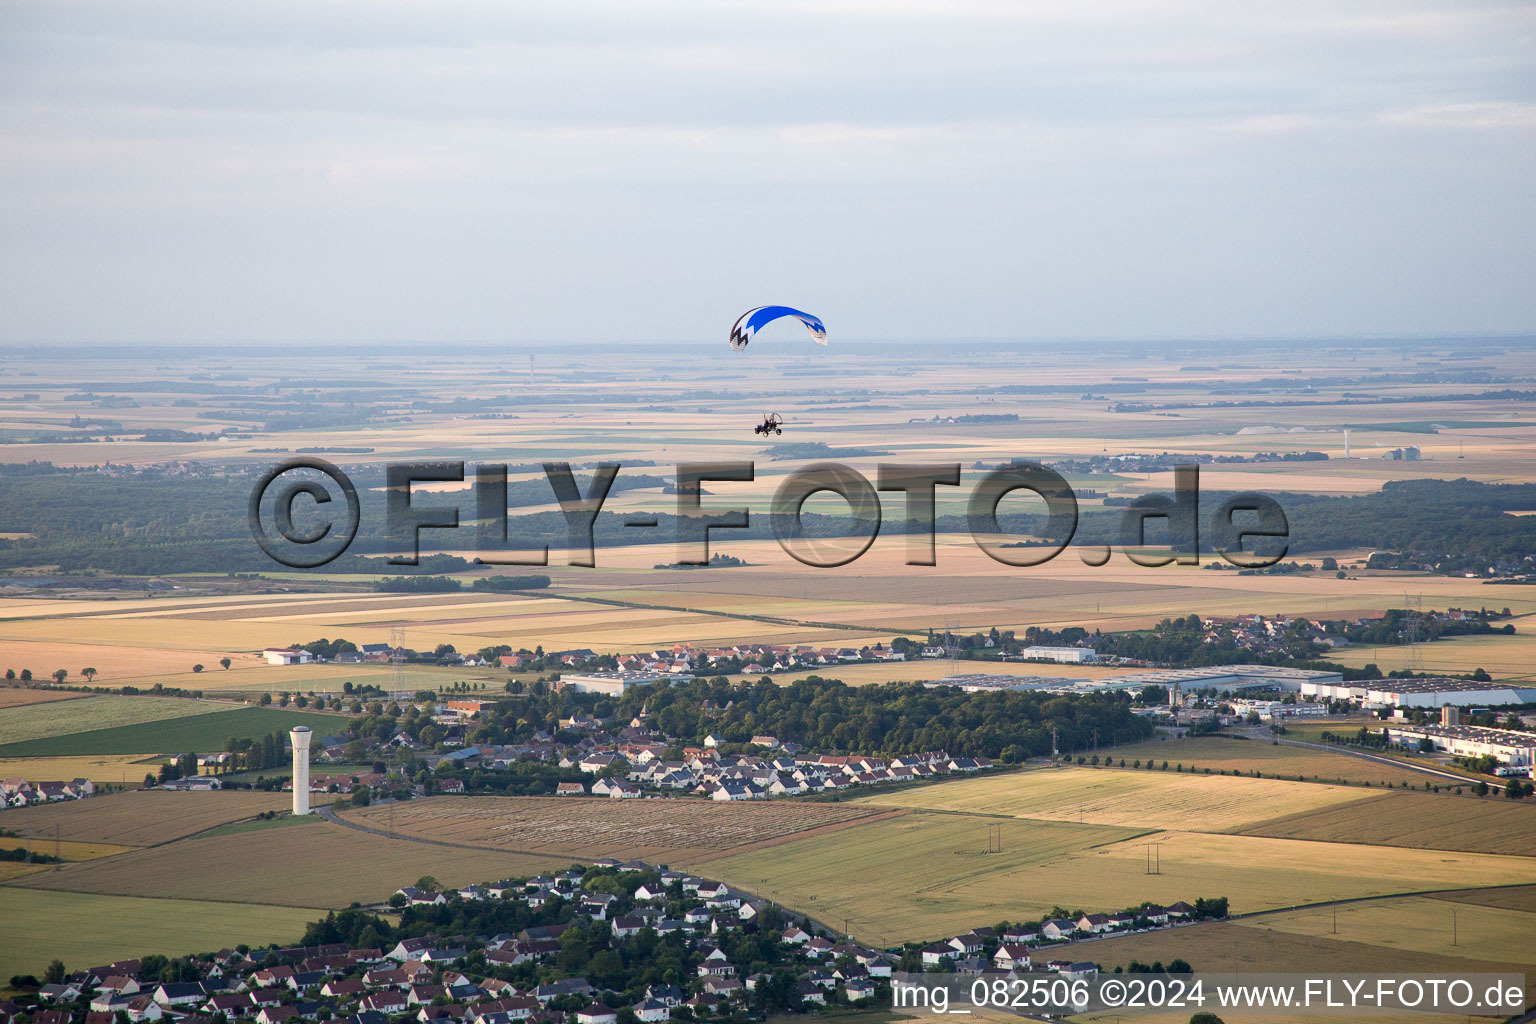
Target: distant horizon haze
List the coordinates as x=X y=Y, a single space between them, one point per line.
x=928 y=170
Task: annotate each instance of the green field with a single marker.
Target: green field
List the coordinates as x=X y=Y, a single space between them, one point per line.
x=43 y=721
x=83 y=930
x=196 y=732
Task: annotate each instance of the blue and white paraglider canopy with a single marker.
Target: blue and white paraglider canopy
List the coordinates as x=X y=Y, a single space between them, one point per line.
x=754 y=320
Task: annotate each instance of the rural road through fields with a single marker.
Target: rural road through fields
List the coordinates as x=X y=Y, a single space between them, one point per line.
x=1460 y=780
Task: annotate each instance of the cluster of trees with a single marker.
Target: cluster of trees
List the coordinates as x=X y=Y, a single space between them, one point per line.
x=1400 y=625
x=181 y=767
x=825 y=714
x=21 y=853
x=1185 y=642
x=1175 y=966
x=327 y=649
x=255 y=754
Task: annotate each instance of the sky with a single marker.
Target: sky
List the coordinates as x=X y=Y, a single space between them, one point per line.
x=908 y=169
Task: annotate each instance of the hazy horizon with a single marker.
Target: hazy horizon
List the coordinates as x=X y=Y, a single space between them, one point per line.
x=524 y=173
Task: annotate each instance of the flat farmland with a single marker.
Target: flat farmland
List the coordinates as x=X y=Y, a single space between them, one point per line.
x=968 y=589
x=176 y=735
x=1418 y=924
x=123 y=769
x=83 y=929
x=331 y=679
x=1424 y=821
x=1503 y=657
x=10 y=869
x=921 y=875
x=1256 y=874
x=1238 y=947
x=1519 y=897
x=585 y=828
x=68 y=850
x=916 y=876
x=46 y=721
x=144 y=817
x=1221 y=753
x=1125 y=797
x=319 y=865
x=878 y=596
x=18 y=696
x=114 y=663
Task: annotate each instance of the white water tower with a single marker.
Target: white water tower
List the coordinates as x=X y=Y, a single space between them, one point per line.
x=300 y=737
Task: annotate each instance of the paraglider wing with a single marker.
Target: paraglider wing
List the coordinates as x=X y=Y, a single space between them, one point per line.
x=754 y=320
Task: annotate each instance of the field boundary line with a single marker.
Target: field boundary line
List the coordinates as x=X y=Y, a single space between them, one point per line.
x=1460 y=780
x=772 y=620
x=160 y=899
x=329 y=814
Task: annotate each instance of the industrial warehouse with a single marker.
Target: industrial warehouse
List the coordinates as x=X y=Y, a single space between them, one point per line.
x=1420 y=693
x=1509 y=748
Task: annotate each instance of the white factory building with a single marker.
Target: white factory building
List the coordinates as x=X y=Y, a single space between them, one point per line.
x=1517 y=749
x=287 y=656
x=1063 y=655
x=615 y=683
x=1223 y=678
x=1420 y=693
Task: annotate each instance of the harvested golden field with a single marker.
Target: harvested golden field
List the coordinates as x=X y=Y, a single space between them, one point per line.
x=1426 y=821
x=1516 y=897
x=966 y=589
x=1236 y=947
x=41 y=721
x=1223 y=754
x=1418 y=924
x=145 y=817
x=1126 y=797
x=17 y=696
x=586 y=828
x=114 y=663
x=123 y=769
x=902 y=878
x=1503 y=657
x=921 y=875
x=331 y=679
x=878 y=596
x=67 y=849
x=319 y=865
x=84 y=930
x=10 y=869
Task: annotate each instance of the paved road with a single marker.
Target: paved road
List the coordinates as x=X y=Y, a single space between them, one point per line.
x=1438 y=773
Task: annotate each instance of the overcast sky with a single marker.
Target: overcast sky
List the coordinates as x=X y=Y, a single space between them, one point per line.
x=944 y=169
